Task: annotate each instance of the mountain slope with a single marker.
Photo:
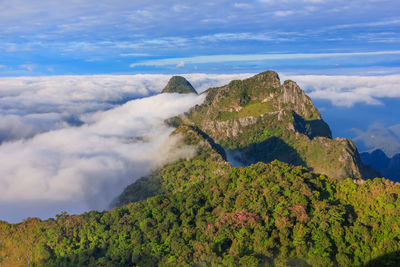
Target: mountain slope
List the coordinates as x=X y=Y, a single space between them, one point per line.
x=178 y=84
x=260 y=119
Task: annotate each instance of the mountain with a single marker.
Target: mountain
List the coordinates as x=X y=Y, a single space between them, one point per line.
x=388 y=167
x=257 y=120
x=201 y=211
x=260 y=119
x=178 y=84
x=378 y=136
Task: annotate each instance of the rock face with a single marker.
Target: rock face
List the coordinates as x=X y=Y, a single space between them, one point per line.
x=178 y=84
x=260 y=119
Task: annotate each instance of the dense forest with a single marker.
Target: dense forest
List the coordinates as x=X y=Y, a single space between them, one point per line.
x=265 y=214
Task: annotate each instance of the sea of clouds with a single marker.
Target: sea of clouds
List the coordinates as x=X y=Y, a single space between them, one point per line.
x=73 y=143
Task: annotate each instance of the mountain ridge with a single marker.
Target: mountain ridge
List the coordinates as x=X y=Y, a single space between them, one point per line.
x=244 y=116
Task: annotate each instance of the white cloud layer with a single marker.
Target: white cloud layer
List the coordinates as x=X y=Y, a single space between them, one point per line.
x=72 y=143
x=255 y=57
x=349 y=90
x=92 y=163
x=30 y=105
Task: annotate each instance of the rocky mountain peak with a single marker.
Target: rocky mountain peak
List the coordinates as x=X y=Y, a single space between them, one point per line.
x=260 y=94
x=178 y=84
x=260 y=119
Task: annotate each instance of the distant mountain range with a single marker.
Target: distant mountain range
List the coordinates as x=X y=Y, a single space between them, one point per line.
x=379 y=137
x=388 y=167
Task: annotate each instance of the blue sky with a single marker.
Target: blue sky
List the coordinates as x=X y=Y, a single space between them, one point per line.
x=50 y=37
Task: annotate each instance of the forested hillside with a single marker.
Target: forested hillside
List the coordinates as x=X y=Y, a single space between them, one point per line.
x=269 y=214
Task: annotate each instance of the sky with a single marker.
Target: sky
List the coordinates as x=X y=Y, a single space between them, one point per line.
x=80 y=114
x=50 y=37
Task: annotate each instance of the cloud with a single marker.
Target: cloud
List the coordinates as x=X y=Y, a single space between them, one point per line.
x=180 y=64
x=284 y=13
x=180 y=8
x=38 y=104
x=255 y=57
x=72 y=143
x=242 y=5
x=246 y=36
x=315 y=1
x=135 y=55
x=349 y=90
x=385 y=22
x=14 y=127
x=202 y=81
x=92 y=163
x=28 y=67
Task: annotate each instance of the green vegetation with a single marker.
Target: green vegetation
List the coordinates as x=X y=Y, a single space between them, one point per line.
x=269 y=214
x=252 y=109
x=255 y=109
